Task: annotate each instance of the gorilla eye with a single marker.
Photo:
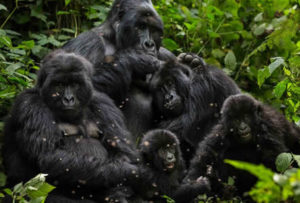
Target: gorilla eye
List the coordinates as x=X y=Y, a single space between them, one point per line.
x=142 y=26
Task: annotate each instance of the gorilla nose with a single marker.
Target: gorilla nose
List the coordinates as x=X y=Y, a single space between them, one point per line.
x=149 y=45
x=169 y=97
x=68 y=101
x=170 y=157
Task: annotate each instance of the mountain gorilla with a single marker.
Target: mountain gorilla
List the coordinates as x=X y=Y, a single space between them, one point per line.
x=164 y=169
x=124 y=50
x=187 y=101
x=248 y=131
x=64 y=128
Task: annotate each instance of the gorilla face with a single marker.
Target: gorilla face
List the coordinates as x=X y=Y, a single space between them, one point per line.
x=160 y=148
x=240 y=115
x=139 y=26
x=65 y=85
x=166 y=156
x=170 y=88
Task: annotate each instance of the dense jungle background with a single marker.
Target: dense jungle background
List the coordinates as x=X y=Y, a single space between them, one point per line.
x=255 y=42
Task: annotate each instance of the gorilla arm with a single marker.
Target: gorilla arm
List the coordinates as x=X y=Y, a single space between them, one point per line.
x=37 y=136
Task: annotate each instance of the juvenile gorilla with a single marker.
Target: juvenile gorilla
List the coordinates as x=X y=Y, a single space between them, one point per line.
x=187 y=101
x=165 y=169
x=63 y=128
x=248 y=131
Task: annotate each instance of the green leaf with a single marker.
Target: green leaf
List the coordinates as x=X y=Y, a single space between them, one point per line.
x=275 y=64
x=8 y=191
x=67 y=2
x=2 y=7
x=13 y=67
x=170 y=44
x=262 y=75
x=41 y=191
x=230 y=60
x=260 y=171
x=5 y=40
x=230 y=181
x=2 y=179
x=259 y=17
x=280 y=88
x=217 y=53
x=297 y=159
x=283 y=162
x=260 y=29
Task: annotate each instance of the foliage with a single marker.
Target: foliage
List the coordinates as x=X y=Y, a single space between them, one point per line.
x=257 y=42
x=271 y=186
x=33 y=191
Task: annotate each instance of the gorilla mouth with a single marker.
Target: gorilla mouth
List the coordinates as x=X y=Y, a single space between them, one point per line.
x=170 y=165
x=246 y=136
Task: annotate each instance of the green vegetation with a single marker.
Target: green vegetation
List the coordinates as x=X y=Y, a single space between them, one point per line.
x=256 y=42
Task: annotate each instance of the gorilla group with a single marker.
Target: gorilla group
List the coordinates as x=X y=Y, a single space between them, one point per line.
x=115 y=87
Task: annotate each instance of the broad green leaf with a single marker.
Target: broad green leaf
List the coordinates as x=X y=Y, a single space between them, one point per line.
x=170 y=44
x=275 y=64
x=262 y=75
x=13 y=67
x=283 y=162
x=260 y=29
x=230 y=181
x=230 y=60
x=2 y=179
x=42 y=191
x=280 y=179
x=217 y=53
x=8 y=191
x=5 y=40
x=2 y=7
x=297 y=159
x=259 y=17
x=260 y=171
x=67 y=2
x=38 y=13
x=280 y=89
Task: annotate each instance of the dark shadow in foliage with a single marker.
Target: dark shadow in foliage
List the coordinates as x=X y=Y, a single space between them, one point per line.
x=63 y=128
x=248 y=131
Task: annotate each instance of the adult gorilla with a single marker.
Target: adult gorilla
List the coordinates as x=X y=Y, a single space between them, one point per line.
x=65 y=129
x=123 y=50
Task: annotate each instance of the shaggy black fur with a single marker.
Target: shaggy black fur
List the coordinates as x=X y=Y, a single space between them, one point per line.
x=63 y=128
x=248 y=131
x=187 y=101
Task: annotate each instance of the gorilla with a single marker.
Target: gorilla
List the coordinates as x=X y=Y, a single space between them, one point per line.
x=124 y=50
x=62 y=127
x=165 y=169
x=187 y=100
x=247 y=131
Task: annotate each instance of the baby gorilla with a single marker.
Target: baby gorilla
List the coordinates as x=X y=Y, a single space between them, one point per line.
x=165 y=169
x=248 y=131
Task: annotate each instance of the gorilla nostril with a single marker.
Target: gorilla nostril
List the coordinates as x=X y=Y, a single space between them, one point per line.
x=149 y=44
x=68 y=101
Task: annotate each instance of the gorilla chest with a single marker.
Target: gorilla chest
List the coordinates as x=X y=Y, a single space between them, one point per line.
x=138 y=112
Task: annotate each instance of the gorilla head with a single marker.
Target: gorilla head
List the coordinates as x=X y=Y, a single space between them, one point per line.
x=171 y=86
x=134 y=23
x=240 y=115
x=160 y=148
x=65 y=84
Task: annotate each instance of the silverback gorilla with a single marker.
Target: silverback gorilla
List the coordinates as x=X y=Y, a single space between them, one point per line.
x=124 y=50
x=64 y=128
x=248 y=131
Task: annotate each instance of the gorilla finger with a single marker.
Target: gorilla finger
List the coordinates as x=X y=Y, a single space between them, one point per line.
x=188 y=58
x=195 y=62
x=181 y=56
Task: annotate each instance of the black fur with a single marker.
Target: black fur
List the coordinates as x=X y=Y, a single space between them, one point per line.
x=121 y=59
x=201 y=92
x=85 y=150
x=163 y=175
x=267 y=135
